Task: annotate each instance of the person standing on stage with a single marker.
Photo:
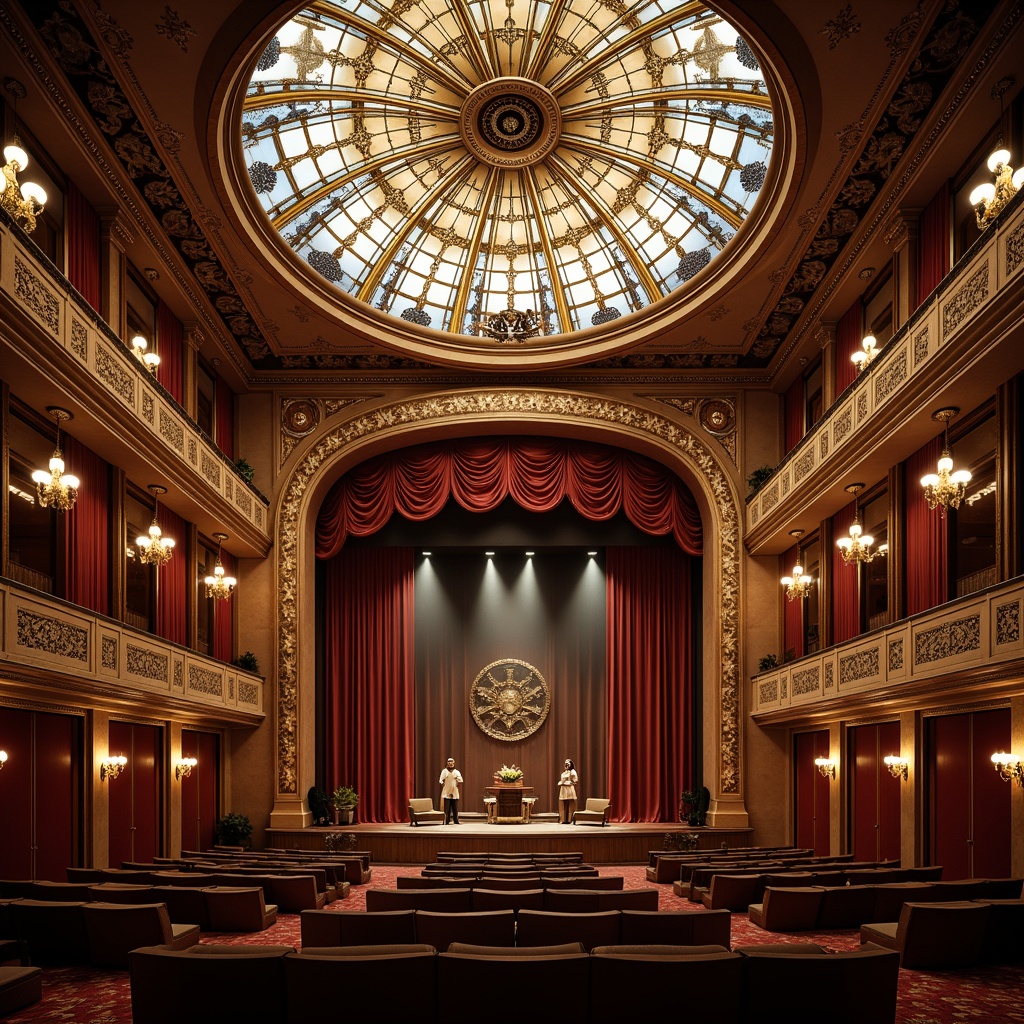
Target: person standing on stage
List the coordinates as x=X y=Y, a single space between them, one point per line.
x=567 y=783
x=450 y=781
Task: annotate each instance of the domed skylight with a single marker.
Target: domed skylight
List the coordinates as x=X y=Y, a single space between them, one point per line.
x=539 y=168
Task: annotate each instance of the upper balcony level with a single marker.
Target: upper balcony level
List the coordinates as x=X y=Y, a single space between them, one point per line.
x=966 y=340
x=58 y=351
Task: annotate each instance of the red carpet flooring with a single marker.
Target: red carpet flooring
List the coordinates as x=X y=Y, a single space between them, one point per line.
x=79 y=995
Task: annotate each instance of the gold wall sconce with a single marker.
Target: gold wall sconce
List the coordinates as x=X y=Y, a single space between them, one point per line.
x=111 y=767
x=826 y=766
x=898 y=766
x=1009 y=767
x=183 y=767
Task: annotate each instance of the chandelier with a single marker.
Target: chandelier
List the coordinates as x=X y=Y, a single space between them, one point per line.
x=219 y=586
x=862 y=359
x=512 y=325
x=54 y=488
x=155 y=549
x=946 y=488
x=857 y=546
x=23 y=202
x=990 y=198
x=798 y=585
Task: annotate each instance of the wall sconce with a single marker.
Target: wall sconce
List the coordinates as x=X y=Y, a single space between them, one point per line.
x=863 y=358
x=183 y=768
x=1009 y=767
x=148 y=359
x=111 y=767
x=990 y=198
x=24 y=202
x=826 y=766
x=3 y=758
x=898 y=766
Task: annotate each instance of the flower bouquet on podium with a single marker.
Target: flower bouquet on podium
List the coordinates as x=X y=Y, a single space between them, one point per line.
x=509 y=775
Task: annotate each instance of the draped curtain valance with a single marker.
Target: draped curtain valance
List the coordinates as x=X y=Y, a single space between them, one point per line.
x=538 y=473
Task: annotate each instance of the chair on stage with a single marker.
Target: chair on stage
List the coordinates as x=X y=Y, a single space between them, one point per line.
x=594 y=813
x=421 y=811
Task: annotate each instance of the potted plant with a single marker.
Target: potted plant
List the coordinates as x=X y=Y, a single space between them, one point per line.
x=345 y=799
x=769 y=661
x=248 y=662
x=245 y=470
x=234 y=830
x=510 y=775
x=757 y=478
x=319 y=806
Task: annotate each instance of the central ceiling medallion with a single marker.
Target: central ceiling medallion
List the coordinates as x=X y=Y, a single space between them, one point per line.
x=510 y=122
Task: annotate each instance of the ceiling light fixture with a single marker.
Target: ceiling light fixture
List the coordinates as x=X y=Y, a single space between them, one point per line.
x=23 y=202
x=798 y=585
x=219 y=586
x=54 y=488
x=155 y=549
x=946 y=488
x=862 y=359
x=990 y=198
x=857 y=546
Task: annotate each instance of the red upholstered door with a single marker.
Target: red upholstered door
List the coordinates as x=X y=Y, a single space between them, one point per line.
x=199 y=790
x=875 y=794
x=968 y=803
x=134 y=797
x=813 y=793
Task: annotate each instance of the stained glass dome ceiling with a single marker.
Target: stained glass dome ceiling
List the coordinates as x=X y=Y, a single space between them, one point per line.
x=509 y=171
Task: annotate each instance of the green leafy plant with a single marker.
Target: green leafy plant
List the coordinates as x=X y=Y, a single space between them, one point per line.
x=335 y=841
x=234 y=830
x=767 y=662
x=248 y=662
x=681 y=841
x=245 y=470
x=344 y=796
x=319 y=805
x=696 y=802
x=509 y=773
x=758 y=477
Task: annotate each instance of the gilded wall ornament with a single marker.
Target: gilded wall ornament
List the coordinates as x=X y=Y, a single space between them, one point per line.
x=509 y=699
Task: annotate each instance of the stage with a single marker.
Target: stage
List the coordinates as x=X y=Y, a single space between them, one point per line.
x=408 y=844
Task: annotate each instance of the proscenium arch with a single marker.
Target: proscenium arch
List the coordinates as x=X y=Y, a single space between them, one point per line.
x=351 y=440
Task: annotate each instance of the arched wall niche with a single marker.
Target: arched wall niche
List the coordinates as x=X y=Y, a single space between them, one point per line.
x=353 y=436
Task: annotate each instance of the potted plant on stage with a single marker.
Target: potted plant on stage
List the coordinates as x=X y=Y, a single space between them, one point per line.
x=345 y=799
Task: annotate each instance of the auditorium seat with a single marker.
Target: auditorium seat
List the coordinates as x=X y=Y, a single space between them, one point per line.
x=422 y=811
x=356 y=927
x=845 y=906
x=676 y=927
x=238 y=908
x=115 y=929
x=732 y=892
x=122 y=892
x=482 y=927
x=75 y=892
x=802 y=983
x=595 y=812
x=20 y=986
x=1004 y=927
x=223 y=982
x=932 y=936
x=55 y=931
x=183 y=904
x=890 y=897
x=511 y=899
x=787 y=909
x=449 y=900
x=546 y=928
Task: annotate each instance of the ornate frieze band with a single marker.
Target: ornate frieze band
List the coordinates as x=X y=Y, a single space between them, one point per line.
x=510 y=407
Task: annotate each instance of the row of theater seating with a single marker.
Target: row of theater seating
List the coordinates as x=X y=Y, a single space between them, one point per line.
x=462 y=900
x=100 y=934
x=936 y=936
x=830 y=908
x=353 y=865
x=520 y=927
x=504 y=881
x=303 y=889
x=663 y=865
x=469 y=983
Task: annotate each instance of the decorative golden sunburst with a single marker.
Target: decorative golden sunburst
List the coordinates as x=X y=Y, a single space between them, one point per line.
x=446 y=160
x=509 y=699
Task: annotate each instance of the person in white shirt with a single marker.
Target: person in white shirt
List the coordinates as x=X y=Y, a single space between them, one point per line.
x=450 y=781
x=567 y=783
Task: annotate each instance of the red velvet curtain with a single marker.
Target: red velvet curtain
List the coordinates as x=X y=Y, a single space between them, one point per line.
x=845 y=583
x=87 y=530
x=794 y=617
x=795 y=401
x=370 y=690
x=933 y=256
x=928 y=583
x=479 y=474
x=849 y=335
x=650 y=682
x=171 y=349
x=224 y=615
x=82 y=237
x=225 y=407
x=171 y=584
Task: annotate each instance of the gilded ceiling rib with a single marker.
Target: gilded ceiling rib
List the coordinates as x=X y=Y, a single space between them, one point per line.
x=542 y=45
x=470 y=32
x=564 y=313
x=659 y=101
x=465 y=287
x=401 y=103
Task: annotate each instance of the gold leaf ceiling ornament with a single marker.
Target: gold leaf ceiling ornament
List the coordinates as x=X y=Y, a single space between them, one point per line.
x=447 y=160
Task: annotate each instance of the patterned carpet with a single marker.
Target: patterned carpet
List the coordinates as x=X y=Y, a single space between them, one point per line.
x=81 y=995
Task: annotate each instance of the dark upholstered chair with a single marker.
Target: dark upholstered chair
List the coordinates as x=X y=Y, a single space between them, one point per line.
x=583 y=881
x=594 y=812
x=244 y=983
x=121 y=892
x=238 y=909
x=452 y=901
x=503 y=989
x=547 y=928
x=845 y=906
x=793 y=982
x=483 y=927
x=732 y=892
x=676 y=927
x=933 y=936
x=20 y=986
x=356 y=927
x=890 y=897
x=423 y=812
x=65 y=892
x=507 y=899
x=656 y=978
x=115 y=929
x=789 y=909
x=313 y=978
x=183 y=904
x=1003 y=929
x=54 y=931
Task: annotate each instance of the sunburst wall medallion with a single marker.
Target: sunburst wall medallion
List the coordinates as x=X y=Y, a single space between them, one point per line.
x=509 y=699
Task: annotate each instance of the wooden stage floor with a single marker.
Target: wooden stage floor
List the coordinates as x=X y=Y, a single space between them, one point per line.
x=407 y=844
